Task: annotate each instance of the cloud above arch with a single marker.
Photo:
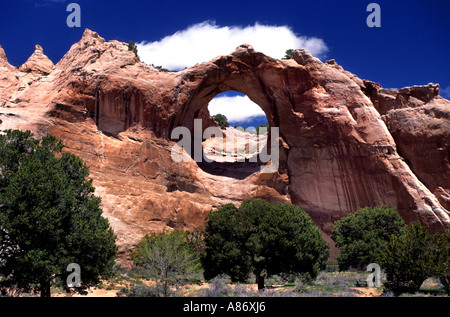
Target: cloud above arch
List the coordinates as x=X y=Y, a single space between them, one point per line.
x=203 y=41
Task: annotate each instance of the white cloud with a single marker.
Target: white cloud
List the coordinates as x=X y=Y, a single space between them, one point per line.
x=204 y=41
x=235 y=108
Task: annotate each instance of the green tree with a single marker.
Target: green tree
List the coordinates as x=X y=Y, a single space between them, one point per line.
x=49 y=216
x=361 y=236
x=442 y=261
x=221 y=120
x=264 y=239
x=409 y=259
x=288 y=54
x=170 y=258
x=132 y=47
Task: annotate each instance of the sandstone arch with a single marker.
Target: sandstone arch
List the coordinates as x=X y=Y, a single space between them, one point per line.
x=340 y=134
x=340 y=156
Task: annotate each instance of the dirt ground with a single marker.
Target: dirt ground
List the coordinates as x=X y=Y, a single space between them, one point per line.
x=188 y=290
x=368 y=291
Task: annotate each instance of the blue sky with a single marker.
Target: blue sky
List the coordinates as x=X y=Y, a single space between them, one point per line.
x=411 y=47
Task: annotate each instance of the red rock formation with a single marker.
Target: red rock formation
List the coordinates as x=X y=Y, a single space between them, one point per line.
x=37 y=63
x=8 y=79
x=345 y=143
x=418 y=119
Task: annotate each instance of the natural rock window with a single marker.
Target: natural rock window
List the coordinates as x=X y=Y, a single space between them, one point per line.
x=235 y=152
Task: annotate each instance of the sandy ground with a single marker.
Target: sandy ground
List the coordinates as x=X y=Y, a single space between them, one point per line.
x=368 y=291
x=191 y=289
x=95 y=292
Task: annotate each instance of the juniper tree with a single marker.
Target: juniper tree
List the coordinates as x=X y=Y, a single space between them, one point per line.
x=361 y=236
x=49 y=216
x=410 y=258
x=264 y=239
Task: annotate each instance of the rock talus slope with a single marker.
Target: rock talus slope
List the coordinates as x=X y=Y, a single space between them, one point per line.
x=345 y=143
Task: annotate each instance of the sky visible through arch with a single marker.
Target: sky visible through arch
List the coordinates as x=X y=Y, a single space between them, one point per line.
x=410 y=48
x=238 y=108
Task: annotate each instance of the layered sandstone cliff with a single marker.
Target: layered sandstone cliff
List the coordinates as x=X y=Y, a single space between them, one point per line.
x=345 y=143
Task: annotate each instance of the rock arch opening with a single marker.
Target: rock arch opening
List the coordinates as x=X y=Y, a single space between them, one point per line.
x=237 y=137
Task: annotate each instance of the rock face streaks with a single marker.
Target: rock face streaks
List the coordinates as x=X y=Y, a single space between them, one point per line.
x=345 y=143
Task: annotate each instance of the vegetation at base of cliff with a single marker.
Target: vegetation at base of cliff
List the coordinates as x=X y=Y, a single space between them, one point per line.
x=49 y=217
x=361 y=236
x=411 y=258
x=414 y=263
x=264 y=239
x=329 y=283
x=409 y=254
x=234 y=251
x=169 y=258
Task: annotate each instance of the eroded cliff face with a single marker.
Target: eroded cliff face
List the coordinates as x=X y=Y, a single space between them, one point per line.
x=419 y=121
x=344 y=143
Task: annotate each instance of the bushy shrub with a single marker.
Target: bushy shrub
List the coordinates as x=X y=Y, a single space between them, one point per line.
x=218 y=287
x=361 y=236
x=409 y=259
x=144 y=291
x=168 y=258
x=442 y=262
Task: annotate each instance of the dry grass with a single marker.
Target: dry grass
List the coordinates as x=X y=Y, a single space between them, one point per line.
x=327 y=284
